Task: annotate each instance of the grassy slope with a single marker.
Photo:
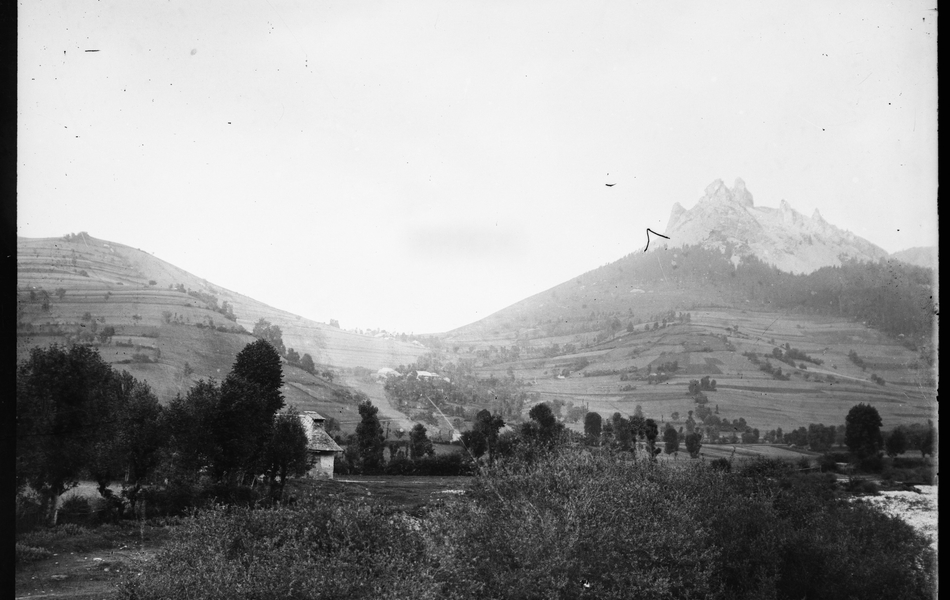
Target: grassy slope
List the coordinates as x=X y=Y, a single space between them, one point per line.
x=743 y=390
x=116 y=288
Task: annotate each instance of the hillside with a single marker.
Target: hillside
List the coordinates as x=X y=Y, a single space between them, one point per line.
x=75 y=287
x=921 y=256
x=612 y=375
x=593 y=340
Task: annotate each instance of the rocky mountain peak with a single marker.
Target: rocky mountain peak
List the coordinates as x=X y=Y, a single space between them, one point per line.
x=728 y=220
x=741 y=194
x=717 y=191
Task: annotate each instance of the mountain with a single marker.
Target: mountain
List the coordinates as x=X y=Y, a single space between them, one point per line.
x=728 y=219
x=738 y=291
x=171 y=327
x=922 y=256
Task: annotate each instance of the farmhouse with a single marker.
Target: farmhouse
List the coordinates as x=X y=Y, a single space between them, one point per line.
x=321 y=449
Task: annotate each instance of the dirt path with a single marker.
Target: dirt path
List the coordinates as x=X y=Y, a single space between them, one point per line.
x=377 y=394
x=80 y=575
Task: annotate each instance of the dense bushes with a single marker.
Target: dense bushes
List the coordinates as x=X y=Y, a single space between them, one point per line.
x=439 y=465
x=321 y=549
x=565 y=525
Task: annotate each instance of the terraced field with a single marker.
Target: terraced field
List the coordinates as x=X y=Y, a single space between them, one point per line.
x=77 y=289
x=713 y=344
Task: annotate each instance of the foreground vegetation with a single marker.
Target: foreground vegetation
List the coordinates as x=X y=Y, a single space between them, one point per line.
x=559 y=524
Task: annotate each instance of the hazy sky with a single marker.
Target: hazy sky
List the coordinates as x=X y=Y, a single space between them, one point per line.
x=416 y=166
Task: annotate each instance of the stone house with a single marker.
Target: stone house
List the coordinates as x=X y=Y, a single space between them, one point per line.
x=321 y=449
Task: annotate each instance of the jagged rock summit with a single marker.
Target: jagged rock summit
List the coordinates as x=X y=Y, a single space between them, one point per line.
x=728 y=219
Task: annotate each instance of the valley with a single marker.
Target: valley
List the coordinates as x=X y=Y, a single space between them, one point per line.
x=593 y=341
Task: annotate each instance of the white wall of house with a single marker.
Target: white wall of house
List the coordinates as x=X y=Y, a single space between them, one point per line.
x=321 y=465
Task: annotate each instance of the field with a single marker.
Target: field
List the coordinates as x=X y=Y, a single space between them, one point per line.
x=107 y=284
x=713 y=344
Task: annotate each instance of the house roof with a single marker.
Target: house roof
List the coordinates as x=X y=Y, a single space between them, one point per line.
x=314 y=415
x=320 y=441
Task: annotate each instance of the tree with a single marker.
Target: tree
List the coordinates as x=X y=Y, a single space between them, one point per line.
x=145 y=435
x=191 y=422
x=62 y=401
x=369 y=437
x=249 y=399
x=306 y=361
x=286 y=453
x=130 y=442
x=543 y=428
x=106 y=334
x=896 y=442
x=331 y=425
x=671 y=440
x=474 y=442
x=651 y=432
x=270 y=333
x=259 y=363
x=863 y=430
x=820 y=438
x=292 y=356
x=693 y=443
x=488 y=425
x=593 y=425
x=419 y=443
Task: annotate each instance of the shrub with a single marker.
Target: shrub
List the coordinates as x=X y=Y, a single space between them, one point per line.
x=444 y=465
x=230 y=494
x=827 y=463
x=319 y=548
x=174 y=499
x=564 y=525
x=871 y=464
x=862 y=486
x=341 y=466
x=78 y=510
x=27 y=554
x=399 y=466
x=29 y=511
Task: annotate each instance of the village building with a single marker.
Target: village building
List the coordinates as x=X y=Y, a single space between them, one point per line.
x=321 y=449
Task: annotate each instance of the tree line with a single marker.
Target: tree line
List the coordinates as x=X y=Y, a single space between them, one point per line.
x=78 y=418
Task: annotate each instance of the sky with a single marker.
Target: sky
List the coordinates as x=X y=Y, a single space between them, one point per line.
x=416 y=166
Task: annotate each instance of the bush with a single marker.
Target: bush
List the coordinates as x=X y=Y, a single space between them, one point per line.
x=828 y=464
x=174 y=499
x=871 y=464
x=230 y=494
x=319 y=548
x=78 y=510
x=863 y=486
x=444 y=465
x=28 y=554
x=564 y=525
x=399 y=466
x=721 y=464
x=341 y=466
x=29 y=511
